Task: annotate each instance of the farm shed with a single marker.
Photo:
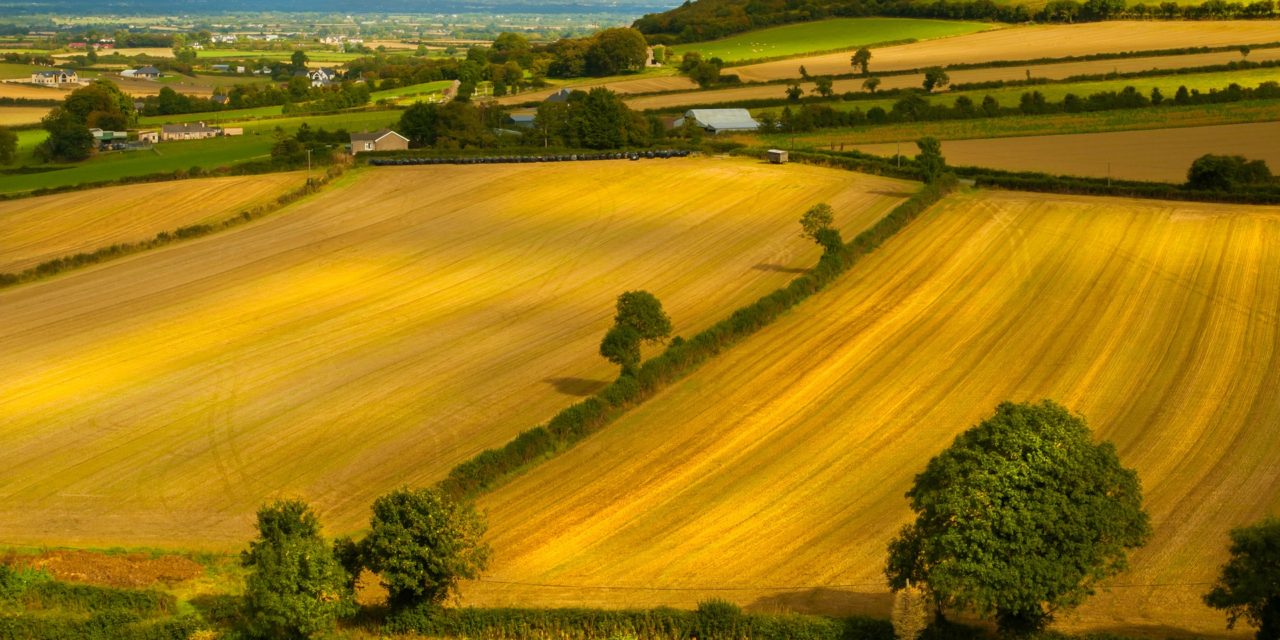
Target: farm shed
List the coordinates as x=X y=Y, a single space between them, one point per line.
x=777 y=156
x=718 y=120
x=383 y=140
x=197 y=131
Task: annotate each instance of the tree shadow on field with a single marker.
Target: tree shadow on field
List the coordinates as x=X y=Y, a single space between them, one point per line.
x=778 y=268
x=580 y=387
x=826 y=601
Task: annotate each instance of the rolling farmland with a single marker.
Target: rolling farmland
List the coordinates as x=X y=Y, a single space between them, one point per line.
x=1057 y=71
x=826 y=35
x=33 y=230
x=1161 y=155
x=371 y=336
x=774 y=476
x=1025 y=43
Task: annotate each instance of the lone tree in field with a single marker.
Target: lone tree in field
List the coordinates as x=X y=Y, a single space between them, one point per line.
x=295 y=588
x=871 y=84
x=794 y=92
x=930 y=159
x=1249 y=586
x=1019 y=518
x=861 y=58
x=935 y=78
x=818 y=225
x=639 y=318
x=421 y=543
x=822 y=86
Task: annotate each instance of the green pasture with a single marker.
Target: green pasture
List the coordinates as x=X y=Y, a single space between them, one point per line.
x=416 y=90
x=826 y=35
x=12 y=71
x=168 y=156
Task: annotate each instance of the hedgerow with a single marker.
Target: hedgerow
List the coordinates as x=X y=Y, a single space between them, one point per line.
x=491 y=467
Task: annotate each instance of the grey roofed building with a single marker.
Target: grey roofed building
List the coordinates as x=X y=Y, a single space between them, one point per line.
x=559 y=96
x=522 y=120
x=717 y=120
x=381 y=140
x=147 y=72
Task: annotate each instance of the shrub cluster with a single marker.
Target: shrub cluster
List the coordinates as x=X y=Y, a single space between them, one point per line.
x=491 y=467
x=712 y=621
x=35 y=607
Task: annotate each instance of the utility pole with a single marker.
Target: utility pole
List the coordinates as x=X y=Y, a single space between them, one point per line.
x=308 y=166
x=898 y=155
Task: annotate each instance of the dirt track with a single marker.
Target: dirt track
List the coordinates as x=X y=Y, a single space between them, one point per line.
x=1156 y=154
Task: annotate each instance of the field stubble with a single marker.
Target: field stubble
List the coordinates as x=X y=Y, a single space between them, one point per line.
x=33 y=230
x=774 y=476
x=372 y=336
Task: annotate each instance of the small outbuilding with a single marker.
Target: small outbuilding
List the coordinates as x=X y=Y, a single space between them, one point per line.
x=719 y=120
x=777 y=156
x=559 y=96
x=383 y=140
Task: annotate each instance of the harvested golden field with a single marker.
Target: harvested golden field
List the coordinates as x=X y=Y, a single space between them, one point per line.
x=371 y=336
x=1050 y=71
x=31 y=91
x=1162 y=155
x=12 y=116
x=1027 y=43
x=33 y=230
x=774 y=476
x=648 y=84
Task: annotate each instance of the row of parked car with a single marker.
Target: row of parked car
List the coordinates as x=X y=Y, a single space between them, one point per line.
x=562 y=157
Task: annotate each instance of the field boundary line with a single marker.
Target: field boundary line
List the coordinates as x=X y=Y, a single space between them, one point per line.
x=63 y=264
x=492 y=468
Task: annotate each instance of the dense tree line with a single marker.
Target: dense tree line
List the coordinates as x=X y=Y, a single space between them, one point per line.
x=711 y=19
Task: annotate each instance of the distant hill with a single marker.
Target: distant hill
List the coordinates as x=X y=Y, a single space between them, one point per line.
x=710 y=19
x=222 y=7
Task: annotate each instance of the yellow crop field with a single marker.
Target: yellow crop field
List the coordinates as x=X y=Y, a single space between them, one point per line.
x=1029 y=43
x=33 y=230
x=31 y=91
x=774 y=476
x=371 y=336
x=14 y=116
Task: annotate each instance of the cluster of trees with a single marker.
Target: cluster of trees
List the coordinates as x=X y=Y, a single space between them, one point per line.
x=705 y=72
x=453 y=125
x=420 y=544
x=711 y=19
x=1225 y=173
x=609 y=52
x=914 y=106
x=639 y=319
x=307 y=145
x=99 y=105
x=596 y=119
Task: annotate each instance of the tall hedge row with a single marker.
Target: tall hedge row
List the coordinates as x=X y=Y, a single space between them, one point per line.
x=491 y=467
x=656 y=624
